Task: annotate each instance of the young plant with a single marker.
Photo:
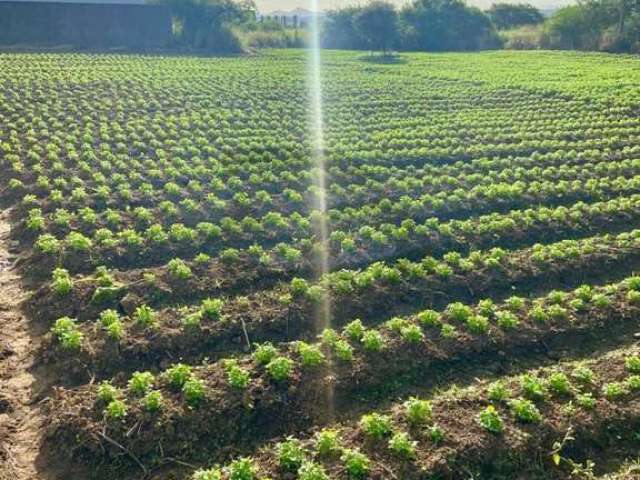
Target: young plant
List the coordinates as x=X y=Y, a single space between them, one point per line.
x=242 y=469
x=193 y=390
x=356 y=464
x=525 y=411
x=373 y=341
x=417 y=411
x=152 y=401
x=291 y=455
x=310 y=355
x=115 y=410
x=376 y=425
x=402 y=445
x=212 y=308
x=490 y=420
x=312 y=471
x=178 y=374
x=264 y=353
x=61 y=283
x=145 y=316
x=141 y=382
x=280 y=368
x=327 y=443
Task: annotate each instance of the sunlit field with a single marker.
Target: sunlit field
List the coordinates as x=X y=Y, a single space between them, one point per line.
x=454 y=262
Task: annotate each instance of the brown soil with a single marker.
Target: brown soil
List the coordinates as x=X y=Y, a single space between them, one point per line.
x=23 y=386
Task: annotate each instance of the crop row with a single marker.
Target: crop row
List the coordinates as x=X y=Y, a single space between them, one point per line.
x=258 y=267
x=217 y=326
x=155 y=243
x=231 y=394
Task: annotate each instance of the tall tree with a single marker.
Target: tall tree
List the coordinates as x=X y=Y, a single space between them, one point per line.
x=511 y=15
x=437 y=25
x=378 y=25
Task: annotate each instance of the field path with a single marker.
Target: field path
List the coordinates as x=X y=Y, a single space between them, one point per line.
x=22 y=385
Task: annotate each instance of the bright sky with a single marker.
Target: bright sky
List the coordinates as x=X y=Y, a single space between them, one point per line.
x=271 y=5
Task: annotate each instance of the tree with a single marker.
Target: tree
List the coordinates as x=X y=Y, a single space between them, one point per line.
x=438 y=25
x=205 y=23
x=510 y=15
x=339 y=30
x=377 y=23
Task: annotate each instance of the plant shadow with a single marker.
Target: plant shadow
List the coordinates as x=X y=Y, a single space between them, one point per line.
x=386 y=59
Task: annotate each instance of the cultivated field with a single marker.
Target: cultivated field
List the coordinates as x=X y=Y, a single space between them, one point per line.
x=164 y=315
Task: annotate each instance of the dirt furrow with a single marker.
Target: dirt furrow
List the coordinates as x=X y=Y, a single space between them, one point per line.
x=23 y=387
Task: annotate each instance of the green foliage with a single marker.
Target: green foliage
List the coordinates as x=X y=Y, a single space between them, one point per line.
x=356 y=464
x=193 y=390
x=375 y=425
x=312 y=471
x=310 y=355
x=153 y=401
x=417 y=411
x=178 y=374
x=280 y=368
x=116 y=410
x=242 y=469
x=525 y=411
x=490 y=420
x=264 y=353
x=66 y=331
x=212 y=308
x=141 y=382
x=373 y=341
x=402 y=445
x=328 y=442
x=209 y=474
x=291 y=455
x=107 y=392
x=61 y=283
x=145 y=316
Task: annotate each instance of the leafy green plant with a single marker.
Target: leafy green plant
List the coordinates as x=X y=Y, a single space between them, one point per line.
x=632 y=363
x=312 y=471
x=402 y=445
x=291 y=455
x=373 y=341
x=533 y=387
x=153 y=401
x=237 y=376
x=193 y=390
x=264 y=353
x=354 y=330
x=116 y=410
x=178 y=374
x=178 y=269
x=417 y=411
x=209 y=474
x=310 y=355
x=376 y=425
x=613 y=390
x=107 y=392
x=280 y=368
x=145 y=316
x=490 y=420
x=356 y=464
x=328 y=442
x=66 y=331
x=61 y=283
x=525 y=411
x=141 y=382
x=212 y=308
x=242 y=469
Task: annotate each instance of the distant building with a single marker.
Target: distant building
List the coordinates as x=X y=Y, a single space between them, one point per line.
x=87 y=24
